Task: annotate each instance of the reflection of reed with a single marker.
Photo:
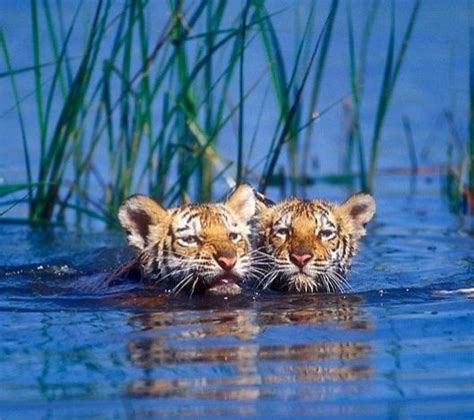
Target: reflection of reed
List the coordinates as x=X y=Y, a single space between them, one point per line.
x=256 y=367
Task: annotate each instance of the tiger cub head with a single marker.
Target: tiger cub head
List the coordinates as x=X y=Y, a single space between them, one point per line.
x=195 y=247
x=310 y=243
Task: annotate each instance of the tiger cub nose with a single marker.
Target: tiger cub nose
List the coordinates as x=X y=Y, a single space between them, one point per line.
x=226 y=259
x=300 y=260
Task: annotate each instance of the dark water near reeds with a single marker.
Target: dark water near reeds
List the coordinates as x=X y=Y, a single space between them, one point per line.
x=400 y=344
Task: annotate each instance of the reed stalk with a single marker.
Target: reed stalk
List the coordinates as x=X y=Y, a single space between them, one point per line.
x=471 y=105
x=393 y=63
x=144 y=109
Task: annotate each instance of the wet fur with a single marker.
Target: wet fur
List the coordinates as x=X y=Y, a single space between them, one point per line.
x=326 y=233
x=179 y=247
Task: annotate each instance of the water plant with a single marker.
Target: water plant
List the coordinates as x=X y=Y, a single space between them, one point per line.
x=107 y=103
x=289 y=91
x=393 y=63
x=150 y=108
x=471 y=110
x=459 y=181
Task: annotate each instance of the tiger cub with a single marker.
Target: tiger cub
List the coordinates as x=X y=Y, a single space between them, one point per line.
x=195 y=247
x=309 y=244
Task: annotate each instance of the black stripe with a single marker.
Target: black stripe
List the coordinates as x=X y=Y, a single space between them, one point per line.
x=323 y=210
x=182 y=229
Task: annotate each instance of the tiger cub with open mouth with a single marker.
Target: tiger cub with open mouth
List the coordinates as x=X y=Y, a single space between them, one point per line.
x=309 y=244
x=193 y=247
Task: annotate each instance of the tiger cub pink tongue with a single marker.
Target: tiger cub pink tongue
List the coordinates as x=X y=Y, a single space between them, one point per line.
x=225 y=284
x=223 y=280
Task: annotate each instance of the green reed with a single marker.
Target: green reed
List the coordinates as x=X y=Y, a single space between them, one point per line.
x=106 y=140
x=471 y=106
x=93 y=114
x=460 y=164
x=289 y=93
x=393 y=63
x=459 y=180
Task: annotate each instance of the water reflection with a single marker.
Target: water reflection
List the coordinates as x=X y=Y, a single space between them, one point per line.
x=266 y=349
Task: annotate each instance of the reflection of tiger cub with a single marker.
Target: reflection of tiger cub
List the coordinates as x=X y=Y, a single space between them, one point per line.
x=310 y=243
x=200 y=247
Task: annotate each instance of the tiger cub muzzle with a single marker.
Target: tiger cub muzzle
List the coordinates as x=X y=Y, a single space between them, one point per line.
x=228 y=278
x=300 y=255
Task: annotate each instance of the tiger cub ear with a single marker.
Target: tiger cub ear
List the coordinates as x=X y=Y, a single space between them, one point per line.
x=358 y=209
x=242 y=202
x=262 y=202
x=137 y=215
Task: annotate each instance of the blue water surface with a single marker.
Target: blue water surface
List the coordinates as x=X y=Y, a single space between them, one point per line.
x=399 y=344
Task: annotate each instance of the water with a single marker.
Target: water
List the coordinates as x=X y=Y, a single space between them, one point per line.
x=433 y=78
x=399 y=344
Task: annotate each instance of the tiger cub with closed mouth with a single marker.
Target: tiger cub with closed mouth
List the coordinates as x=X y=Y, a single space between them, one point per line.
x=195 y=247
x=309 y=244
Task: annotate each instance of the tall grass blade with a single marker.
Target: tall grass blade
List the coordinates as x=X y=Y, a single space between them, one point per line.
x=356 y=77
x=316 y=86
x=27 y=69
x=57 y=77
x=354 y=83
x=391 y=71
x=240 y=136
x=410 y=144
x=54 y=44
x=471 y=104
x=383 y=100
x=273 y=158
x=4 y=49
x=53 y=166
x=37 y=73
